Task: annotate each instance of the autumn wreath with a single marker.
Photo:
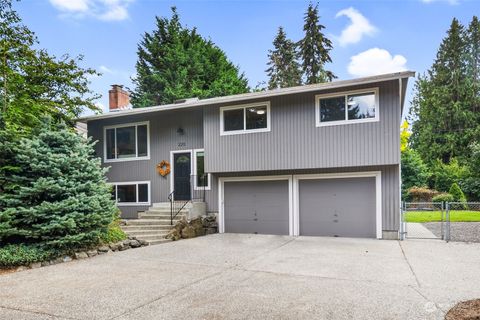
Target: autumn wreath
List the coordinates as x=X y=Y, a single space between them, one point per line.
x=163 y=168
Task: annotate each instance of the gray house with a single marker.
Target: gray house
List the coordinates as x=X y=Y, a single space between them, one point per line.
x=315 y=160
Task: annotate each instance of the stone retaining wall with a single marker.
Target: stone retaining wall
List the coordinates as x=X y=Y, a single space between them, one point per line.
x=196 y=227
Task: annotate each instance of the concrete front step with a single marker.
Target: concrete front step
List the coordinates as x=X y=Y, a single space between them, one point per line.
x=148 y=222
x=167 y=204
x=146 y=227
x=146 y=232
x=151 y=237
x=149 y=215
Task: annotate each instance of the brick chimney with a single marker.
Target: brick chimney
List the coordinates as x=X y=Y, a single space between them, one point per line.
x=118 y=98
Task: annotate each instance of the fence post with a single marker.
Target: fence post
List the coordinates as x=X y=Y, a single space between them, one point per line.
x=442 y=232
x=447 y=223
x=402 y=223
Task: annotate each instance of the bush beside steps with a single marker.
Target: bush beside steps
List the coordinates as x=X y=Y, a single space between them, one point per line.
x=24 y=253
x=196 y=227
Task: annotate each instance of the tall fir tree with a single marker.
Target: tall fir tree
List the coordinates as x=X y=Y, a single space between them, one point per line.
x=473 y=62
x=175 y=62
x=444 y=123
x=284 y=69
x=315 y=49
x=54 y=191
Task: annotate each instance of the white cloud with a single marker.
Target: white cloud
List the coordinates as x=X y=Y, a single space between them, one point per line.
x=104 y=69
x=107 y=10
x=70 y=5
x=452 y=2
x=376 y=61
x=359 y=26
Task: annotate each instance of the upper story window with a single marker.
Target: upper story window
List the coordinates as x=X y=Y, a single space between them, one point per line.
x=127 y=142
x=347 y=107
x=245 y=118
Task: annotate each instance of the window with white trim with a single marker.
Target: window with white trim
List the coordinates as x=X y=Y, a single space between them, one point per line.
x=127 y=142
x=349 y=107
x=245 y=118
x=131 y=193
x=201 y=179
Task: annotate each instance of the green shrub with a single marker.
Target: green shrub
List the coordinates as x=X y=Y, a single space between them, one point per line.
x=417 y=194
x=443 y=197
x=14 y=255
x=457 y=193
x=444 y=175
x=415 y=172
x=114 y=234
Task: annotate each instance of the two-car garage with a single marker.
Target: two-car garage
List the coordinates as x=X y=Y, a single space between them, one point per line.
x=343 y=205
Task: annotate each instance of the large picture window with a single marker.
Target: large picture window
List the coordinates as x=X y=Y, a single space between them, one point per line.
x=127 y=142
x=245 y=118
x=131 y=193
x=350 y=107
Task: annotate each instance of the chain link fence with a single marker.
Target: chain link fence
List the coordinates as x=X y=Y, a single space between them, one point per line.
x=450 y=221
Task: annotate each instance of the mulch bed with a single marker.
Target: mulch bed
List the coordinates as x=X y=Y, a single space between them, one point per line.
x=466 y=310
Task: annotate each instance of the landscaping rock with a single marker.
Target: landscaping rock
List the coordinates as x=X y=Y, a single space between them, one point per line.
x=35 y=265
x=81 y=255
x=143 y=242
x=67 y=259
x=21 y=268
x=135 y=244
x=197 y=225
x=173 y=235
x=210 y=230
x=92 y=253
x=181 y=224
x=188 y=232
x=114 y=246
x=103 y=249
x=126 y=242
x=45 y=263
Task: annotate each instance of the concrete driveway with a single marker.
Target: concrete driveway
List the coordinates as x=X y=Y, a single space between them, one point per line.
x=252 y=277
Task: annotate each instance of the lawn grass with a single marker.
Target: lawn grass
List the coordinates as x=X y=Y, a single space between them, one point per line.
x=436 y=216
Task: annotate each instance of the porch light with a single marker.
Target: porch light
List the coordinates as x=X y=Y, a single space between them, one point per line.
x=260 y=111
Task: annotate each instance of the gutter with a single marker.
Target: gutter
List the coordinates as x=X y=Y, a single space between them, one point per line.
x=254 y=95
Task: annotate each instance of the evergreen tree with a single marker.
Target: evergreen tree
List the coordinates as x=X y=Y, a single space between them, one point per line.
x=54 y=191
x=31 y=77
x=284 y=70
x=175 y=62
x=473 y=62
x=444 y=124
x=315 y=49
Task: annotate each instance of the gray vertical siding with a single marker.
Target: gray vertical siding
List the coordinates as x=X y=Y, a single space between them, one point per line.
x=293 y=146
x=390 y=189
x=294 y=141
x=163 y=139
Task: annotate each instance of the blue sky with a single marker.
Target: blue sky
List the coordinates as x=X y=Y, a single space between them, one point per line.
x=369 y=36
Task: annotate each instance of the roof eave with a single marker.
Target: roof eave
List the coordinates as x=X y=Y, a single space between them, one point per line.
x=254 y=95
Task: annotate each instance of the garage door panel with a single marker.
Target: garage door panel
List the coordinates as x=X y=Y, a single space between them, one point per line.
x=256 y=207
x=338 y=207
